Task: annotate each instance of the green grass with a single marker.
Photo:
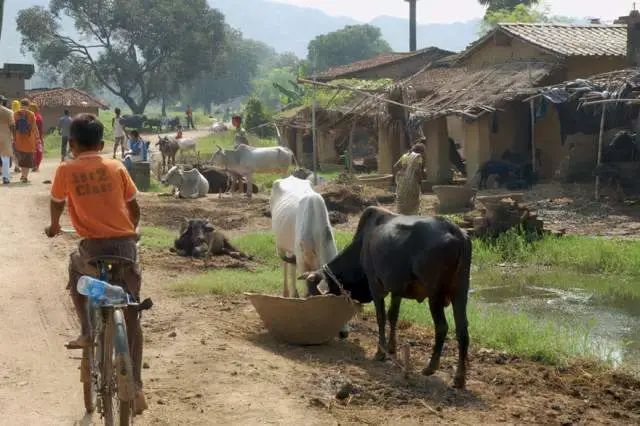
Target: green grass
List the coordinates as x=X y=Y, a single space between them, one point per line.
x=156 y=237
x=590 y=255
x=513 y=332
x=566 y=263
x=266 y=278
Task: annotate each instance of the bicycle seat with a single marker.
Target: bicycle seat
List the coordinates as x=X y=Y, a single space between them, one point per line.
x=111 y=260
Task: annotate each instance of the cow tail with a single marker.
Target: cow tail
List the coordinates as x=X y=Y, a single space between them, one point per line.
x=463 y=269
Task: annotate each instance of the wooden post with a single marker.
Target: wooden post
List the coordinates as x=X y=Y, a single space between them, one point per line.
x=532 y=104
x=350 y=148
x=600 y=137
x=313 y=132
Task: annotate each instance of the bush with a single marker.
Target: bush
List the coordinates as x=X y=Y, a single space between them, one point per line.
x=255 y=116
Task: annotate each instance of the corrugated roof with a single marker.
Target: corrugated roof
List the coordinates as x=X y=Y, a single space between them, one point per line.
x=472 y=91
x=63 y=97
x=349 y=70
x=572 y=40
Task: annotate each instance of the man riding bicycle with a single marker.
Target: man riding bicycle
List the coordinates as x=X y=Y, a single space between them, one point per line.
x=104 y=212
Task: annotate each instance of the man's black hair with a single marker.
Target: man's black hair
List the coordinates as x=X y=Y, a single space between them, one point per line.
x=117 y=111
x=86 y=130
x=135 y=134
x=66 y=112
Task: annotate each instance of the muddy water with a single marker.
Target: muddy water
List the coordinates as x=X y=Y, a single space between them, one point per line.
x=603 y=309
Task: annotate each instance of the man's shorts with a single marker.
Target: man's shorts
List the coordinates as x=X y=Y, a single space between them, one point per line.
x=120 y=247
x=25 y=159
x=119 y=140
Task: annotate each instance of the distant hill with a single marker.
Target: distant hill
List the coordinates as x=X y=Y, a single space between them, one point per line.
x=285 y=27
x=290 y=28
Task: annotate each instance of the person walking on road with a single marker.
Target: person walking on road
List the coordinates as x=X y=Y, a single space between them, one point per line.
x=63 y=128
x=190 y=124
x=40 y=138
x=26 y=138
x=6 y=134
x=118 y=133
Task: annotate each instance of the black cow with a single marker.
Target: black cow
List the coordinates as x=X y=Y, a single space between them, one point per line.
x=221 y=181
x=154 y=123
x=410 y=257
x=503 y=169
x=133 y=121
x=173 y=123
x=621 y=149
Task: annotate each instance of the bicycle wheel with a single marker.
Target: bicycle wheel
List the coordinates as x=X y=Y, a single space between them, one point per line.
x=89 y=368
x=117 y=372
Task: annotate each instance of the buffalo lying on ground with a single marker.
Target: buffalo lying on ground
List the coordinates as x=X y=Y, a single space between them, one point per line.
x=198 y=238
x=408 y=257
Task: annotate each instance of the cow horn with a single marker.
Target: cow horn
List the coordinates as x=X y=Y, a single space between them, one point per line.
x=305 y=276
x=219 y=147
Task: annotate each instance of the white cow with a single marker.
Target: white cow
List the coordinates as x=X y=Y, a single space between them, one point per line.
x=300 y=222
x=188 y=184
x=246 y=160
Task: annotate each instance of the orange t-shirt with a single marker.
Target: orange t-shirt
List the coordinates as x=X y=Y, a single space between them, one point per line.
x=97 y=191
x=27 y=139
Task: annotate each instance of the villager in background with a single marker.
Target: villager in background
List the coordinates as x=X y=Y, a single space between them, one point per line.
x=189 y=114
x=409 y=172
x=26 y=139
x=6 y=130
x=118 y=133
x=39 y=154
x=241 y=134
x=63 y=128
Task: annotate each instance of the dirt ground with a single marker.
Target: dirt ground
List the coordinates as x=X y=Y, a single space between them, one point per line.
x=209 y=360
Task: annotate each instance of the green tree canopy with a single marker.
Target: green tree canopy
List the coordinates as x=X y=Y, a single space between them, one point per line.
x=520 y=13
x=350 y=44
x=139 y=50
x=506 y=4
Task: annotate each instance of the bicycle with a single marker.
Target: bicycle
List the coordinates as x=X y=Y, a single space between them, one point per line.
x=106 y=369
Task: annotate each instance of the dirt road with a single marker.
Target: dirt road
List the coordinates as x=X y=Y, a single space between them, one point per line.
x=38 y=377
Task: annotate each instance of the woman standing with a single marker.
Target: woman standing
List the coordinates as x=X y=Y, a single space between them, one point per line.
x=409 y=174
x=40 y=135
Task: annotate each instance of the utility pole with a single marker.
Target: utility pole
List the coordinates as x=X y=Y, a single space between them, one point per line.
x=412 y=25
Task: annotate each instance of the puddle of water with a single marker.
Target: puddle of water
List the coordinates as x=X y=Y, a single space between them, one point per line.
x=571 y=300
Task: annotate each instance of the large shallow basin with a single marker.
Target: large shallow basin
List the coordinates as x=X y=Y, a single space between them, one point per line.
x=312 y=321
x=453 y=197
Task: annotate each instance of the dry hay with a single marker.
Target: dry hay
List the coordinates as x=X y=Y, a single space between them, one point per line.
x=351 y=198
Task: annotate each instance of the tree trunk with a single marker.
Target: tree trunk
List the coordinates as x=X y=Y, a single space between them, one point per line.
x=164 y=106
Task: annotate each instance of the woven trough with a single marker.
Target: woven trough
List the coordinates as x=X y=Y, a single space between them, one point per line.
x=312 y=321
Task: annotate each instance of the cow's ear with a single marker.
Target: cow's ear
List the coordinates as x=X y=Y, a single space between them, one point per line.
x=219 y=147
x=184 y=225
x=304 y=276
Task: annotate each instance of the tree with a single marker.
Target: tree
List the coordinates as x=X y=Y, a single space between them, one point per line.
x=139 y=50
x=350 y=44
x=520 y=13
x=494 y=5
x=236 y=67
x=255 y=116
x=265 y=90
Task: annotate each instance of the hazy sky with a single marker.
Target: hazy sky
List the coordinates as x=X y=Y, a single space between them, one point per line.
x=458 y=10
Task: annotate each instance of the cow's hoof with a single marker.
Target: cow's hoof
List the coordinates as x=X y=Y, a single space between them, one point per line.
x=343 y=334
x=428 y=371
x=380 y=356
x=459 y=382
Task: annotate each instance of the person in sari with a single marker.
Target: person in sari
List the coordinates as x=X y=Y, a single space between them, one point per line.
x=409 y=172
